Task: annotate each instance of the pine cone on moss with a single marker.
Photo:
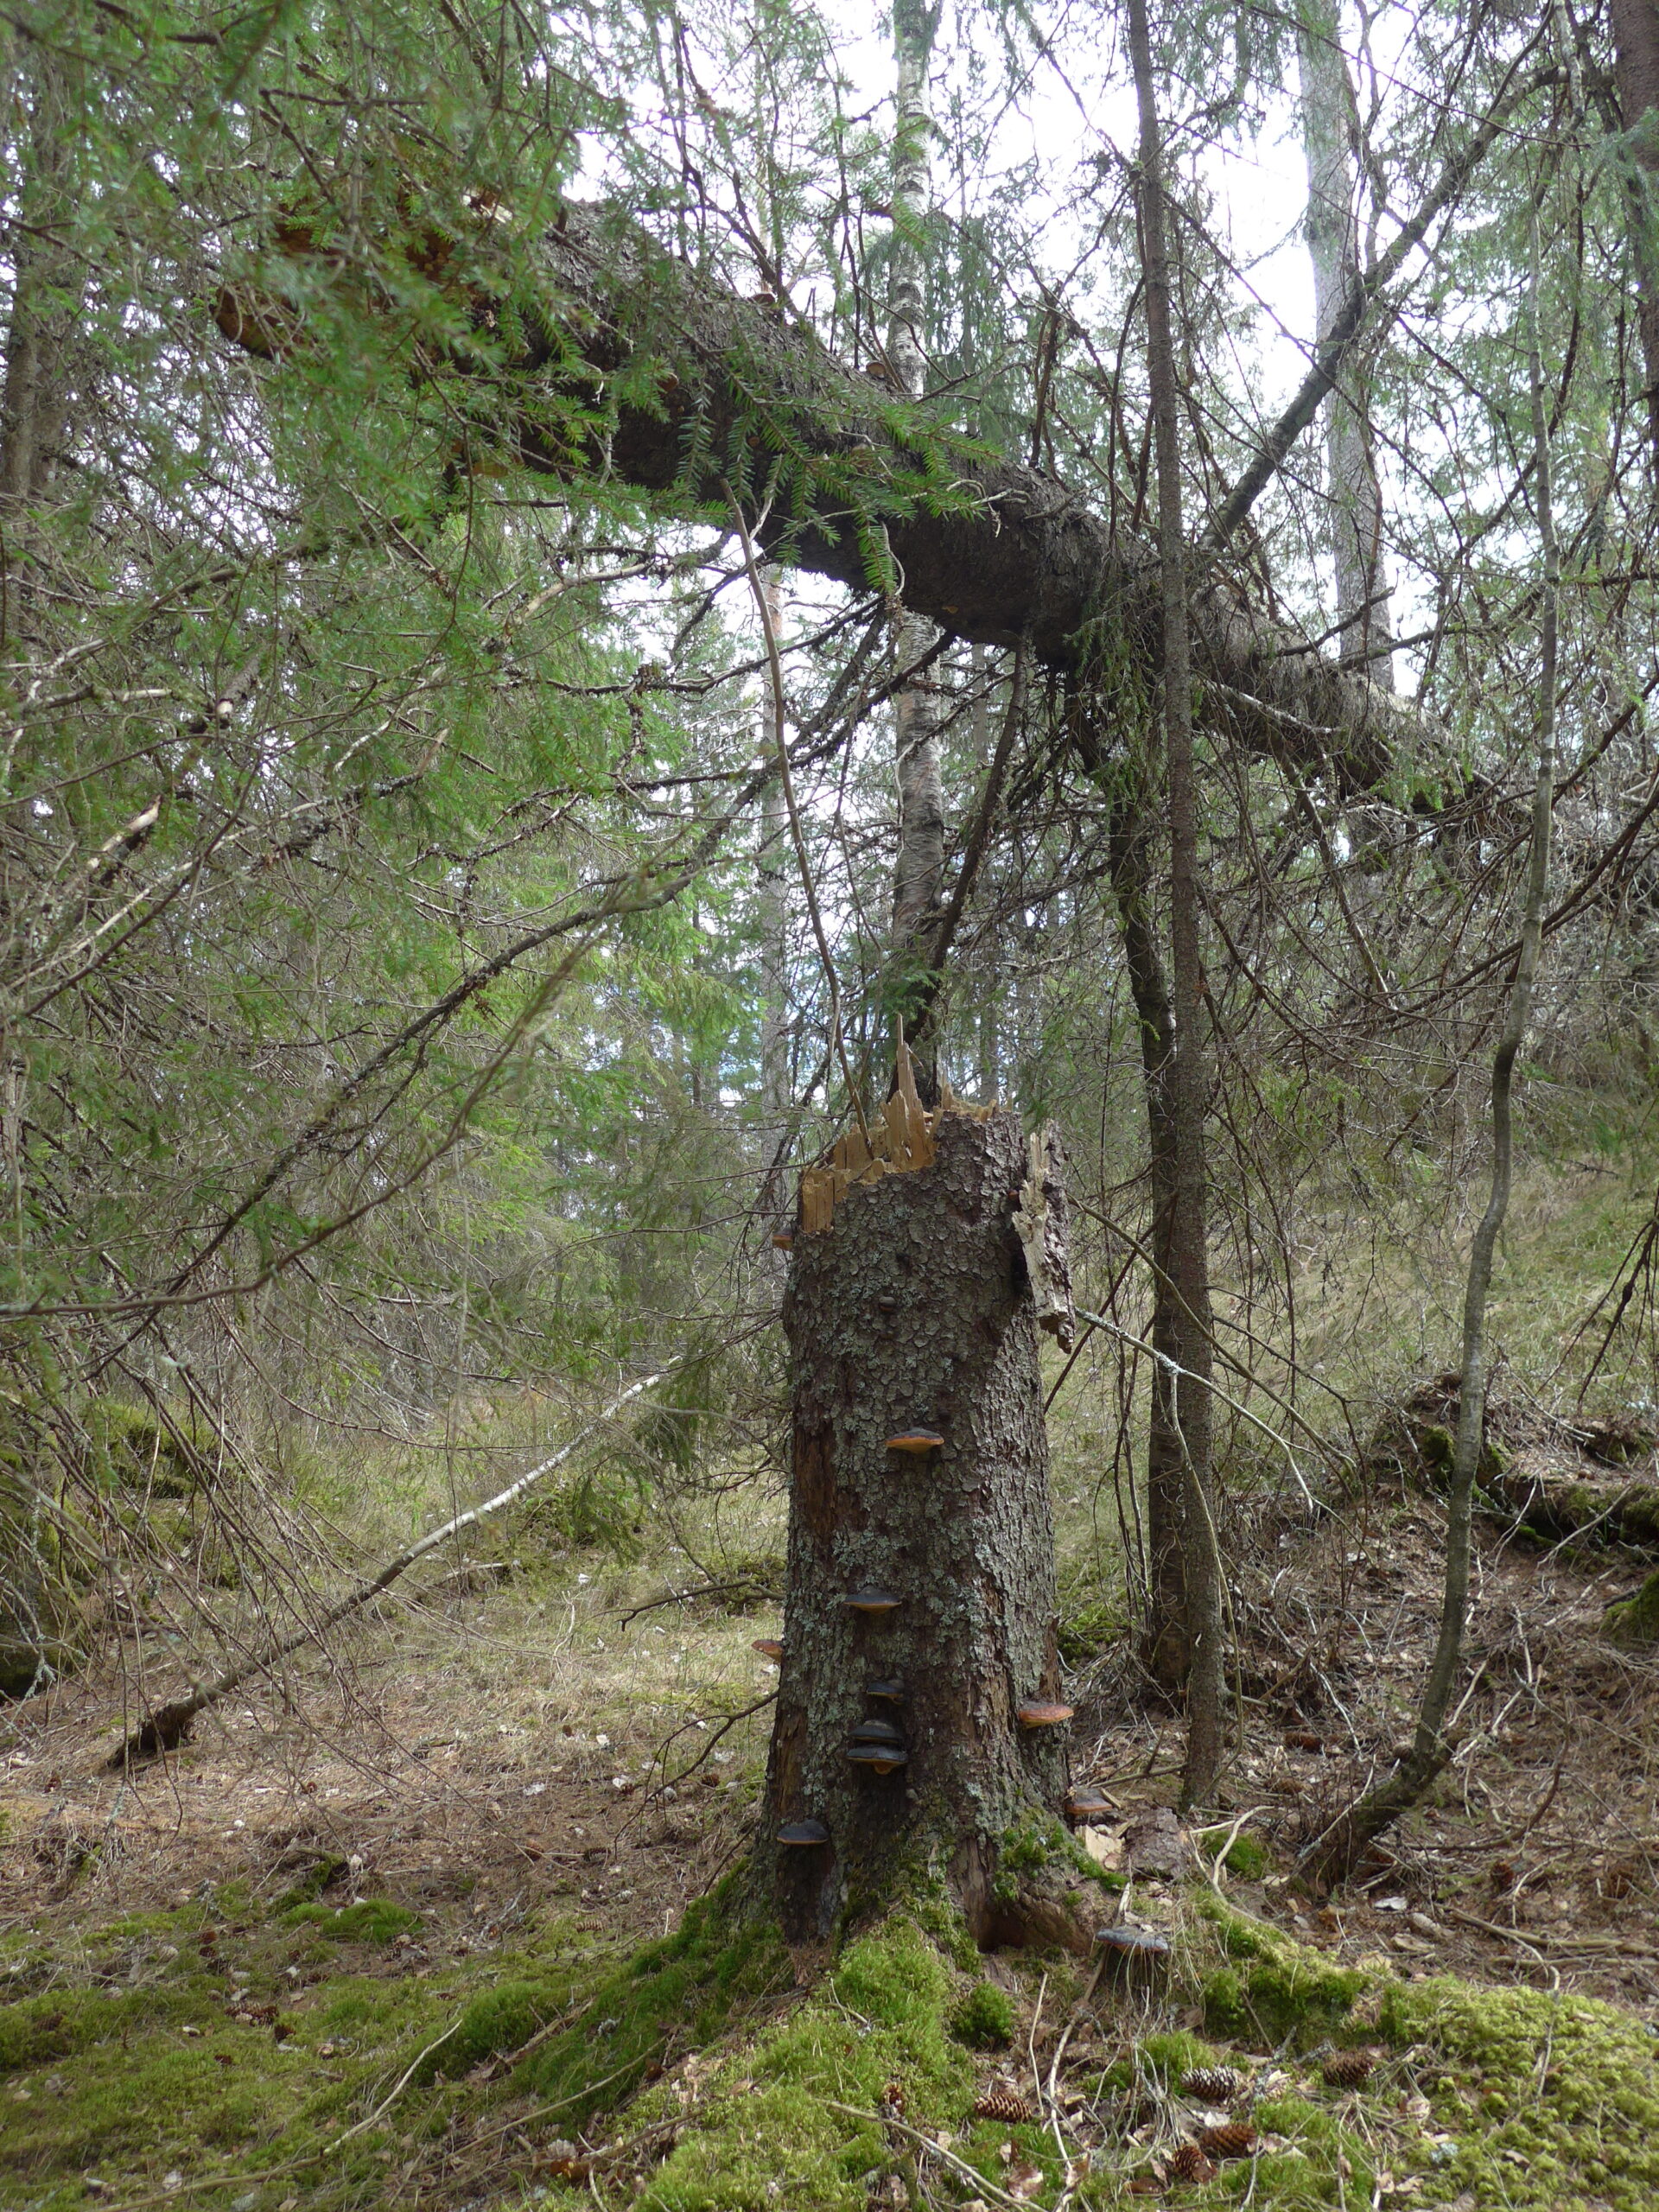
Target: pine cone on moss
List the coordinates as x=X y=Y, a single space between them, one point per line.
x=1350 y=2070
x=1214 y=2085
x=1234 y=2138
x=1189 y=2164
x=999 y=2102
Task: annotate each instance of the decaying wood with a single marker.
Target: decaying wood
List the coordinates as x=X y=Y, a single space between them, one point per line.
x=1041 y=1221
x=899 y=1141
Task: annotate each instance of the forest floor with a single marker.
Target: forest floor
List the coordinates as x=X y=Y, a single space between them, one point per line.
x=524 y=1769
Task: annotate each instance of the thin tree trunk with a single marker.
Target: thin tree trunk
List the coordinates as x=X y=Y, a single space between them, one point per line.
x=1337 y=1852
x=35 y=401
x=920 y=863
x=1635 y=50
x=1165 y=1648
x=772 y=916
x=1188 y=1076
x=1353 y=494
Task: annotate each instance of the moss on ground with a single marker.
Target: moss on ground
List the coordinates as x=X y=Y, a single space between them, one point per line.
x=779 y=2124
x=1635 y=1620
x=984 y=2019
x=370 y=1920
x=163 y=2058
x=1271 y=1991
x=1551 y=2103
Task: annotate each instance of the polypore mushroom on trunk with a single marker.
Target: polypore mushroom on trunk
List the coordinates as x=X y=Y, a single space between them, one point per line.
x=880 y=1759
x=871 y=1601
x=916 y=1440
x=1036 y=1713
x=803 y=1833
x=878 y=1732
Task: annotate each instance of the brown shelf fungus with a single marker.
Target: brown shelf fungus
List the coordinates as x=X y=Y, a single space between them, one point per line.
x=916 y=1440
x=889 y=1691
x=1038 y=1714
x=804 y=1833
x=878 y=1732
x=871 y=1601
x=769 y=1648
x=880 y=1758
x=1085 y=1804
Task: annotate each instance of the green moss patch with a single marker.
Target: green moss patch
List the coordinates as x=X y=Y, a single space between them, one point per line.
x=1551 y=2102
x=770 y=2133
x=1635 y=1620
x=984 y=2019
x=370 y=1920
x=1272 y=1992
x=679 y=1994
x=1247 y=1855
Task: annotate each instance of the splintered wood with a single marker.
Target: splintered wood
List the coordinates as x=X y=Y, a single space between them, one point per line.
x=899 y=1141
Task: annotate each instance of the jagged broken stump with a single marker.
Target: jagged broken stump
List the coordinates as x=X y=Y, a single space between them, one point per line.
x=919 y=1601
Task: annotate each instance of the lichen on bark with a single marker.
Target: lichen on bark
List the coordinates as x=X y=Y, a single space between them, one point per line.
x=913 y=1310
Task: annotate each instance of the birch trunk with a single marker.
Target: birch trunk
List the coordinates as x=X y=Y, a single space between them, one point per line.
x=1354 y=502
x=920 y=862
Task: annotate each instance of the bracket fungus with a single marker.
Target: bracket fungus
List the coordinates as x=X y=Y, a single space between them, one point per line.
x=890 y=1691
x=916 y=1440
x=880 y=1759
x=783 y=1241
x=878 y=1732
x=769 y=1648
x=1084 y=1804
x=804 y=1833
x=1144 y=1944
x=1038 y=1714
x=871 y=1601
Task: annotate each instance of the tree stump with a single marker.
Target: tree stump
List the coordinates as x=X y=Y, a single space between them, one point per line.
x=911 y=1316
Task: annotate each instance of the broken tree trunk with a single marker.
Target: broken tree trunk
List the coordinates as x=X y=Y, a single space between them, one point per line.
x=989 y=550
x=919 y=1616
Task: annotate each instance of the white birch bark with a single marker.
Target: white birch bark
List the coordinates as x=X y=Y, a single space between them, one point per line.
x=920 y=862
x=1353 y=491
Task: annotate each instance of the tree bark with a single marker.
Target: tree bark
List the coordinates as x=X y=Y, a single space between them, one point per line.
x=1188 y=1080
x=46 y=287
x=1352 y=493
x=919 y=866
x=1636 y=62
x=913 y=1309
x=1165 y=1647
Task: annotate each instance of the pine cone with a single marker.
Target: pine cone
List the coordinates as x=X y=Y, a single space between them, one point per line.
x=1350 y=2070
x=1004 y=2104
x=1234 y=2140
x=1214 y=2085
x=1189 y=2164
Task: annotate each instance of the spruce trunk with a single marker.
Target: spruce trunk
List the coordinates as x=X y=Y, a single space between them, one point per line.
x=912 y=1310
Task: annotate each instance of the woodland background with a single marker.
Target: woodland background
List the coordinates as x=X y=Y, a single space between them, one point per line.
x=417 y=997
